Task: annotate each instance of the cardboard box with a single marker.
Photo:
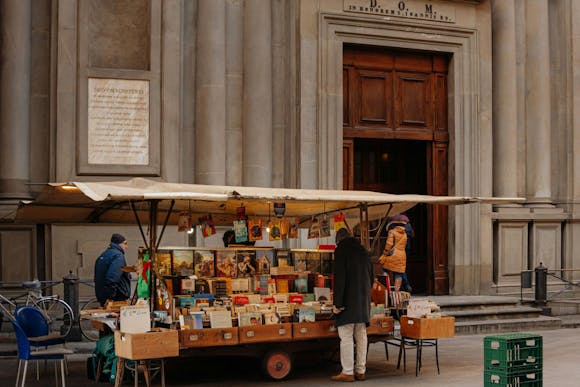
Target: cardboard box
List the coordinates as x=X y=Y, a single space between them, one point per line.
x=149 y=345
x=314 y=330
x=427 y=328
x=208 y=337
x=381 y=326
x=265 y=333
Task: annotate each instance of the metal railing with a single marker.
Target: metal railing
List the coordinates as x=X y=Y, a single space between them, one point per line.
x=560 y=279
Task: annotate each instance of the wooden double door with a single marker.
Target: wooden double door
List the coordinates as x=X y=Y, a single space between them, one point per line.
x=396 y=141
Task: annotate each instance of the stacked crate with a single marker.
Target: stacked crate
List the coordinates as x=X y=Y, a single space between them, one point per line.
x=513 y=359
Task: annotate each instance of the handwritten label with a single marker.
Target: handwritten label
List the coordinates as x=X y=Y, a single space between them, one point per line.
x=118 y=127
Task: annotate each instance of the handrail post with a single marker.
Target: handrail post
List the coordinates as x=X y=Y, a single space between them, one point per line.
x=71 y=297
x=541 y=290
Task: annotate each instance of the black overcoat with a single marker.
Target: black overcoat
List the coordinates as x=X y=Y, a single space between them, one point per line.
x=353 y=278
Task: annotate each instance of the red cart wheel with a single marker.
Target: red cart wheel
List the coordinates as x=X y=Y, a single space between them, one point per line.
x=277 y=364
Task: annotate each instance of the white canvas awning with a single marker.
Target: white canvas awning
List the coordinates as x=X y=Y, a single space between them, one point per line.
x=110 y=202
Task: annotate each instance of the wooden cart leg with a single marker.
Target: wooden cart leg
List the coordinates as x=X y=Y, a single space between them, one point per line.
x=120 y=369
x=162 y=372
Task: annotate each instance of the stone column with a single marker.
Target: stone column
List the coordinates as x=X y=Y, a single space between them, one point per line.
x=538 y=126
x=505 y=122
x=234 y=90
x=210 y=101
x=257 y=142
x=15 y=30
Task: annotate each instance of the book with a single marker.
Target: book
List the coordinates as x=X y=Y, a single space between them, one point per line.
x=194 y=320
x=246 y=319
x=299 y=261
x=306 y=315
x=271 y=317
x=301 y=285
x=220 y=319
x=378 y=311
x=321 y=294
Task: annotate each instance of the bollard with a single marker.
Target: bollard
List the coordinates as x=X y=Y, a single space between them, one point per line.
x=71 y=297
x=541 y=285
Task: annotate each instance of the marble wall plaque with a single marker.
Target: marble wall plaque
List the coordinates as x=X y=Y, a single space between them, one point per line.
x=118 y=127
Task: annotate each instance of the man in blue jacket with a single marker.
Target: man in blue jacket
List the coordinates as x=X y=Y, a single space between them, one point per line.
x=111 y=282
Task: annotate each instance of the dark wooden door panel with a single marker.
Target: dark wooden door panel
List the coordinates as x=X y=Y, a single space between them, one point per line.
x=347 y=164
x=374 y=97
x=346 y=98
x=413 y=100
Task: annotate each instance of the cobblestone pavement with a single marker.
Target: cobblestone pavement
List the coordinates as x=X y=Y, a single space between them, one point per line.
x=460 y=358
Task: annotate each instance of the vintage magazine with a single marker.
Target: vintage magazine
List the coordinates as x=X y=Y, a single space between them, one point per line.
x=226 y=264
x=271 y=317
x=220 y=319
x=246 y=319
x=183 y=262
x=204 y=263
x=163 y=263
x=264 y=261
x=246 y=263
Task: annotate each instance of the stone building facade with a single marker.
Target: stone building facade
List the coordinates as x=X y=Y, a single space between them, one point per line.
x=251 y=92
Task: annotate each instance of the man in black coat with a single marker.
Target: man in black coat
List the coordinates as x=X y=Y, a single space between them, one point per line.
x=353 y=278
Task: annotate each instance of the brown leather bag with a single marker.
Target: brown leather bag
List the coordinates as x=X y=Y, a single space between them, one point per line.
x=378 y=292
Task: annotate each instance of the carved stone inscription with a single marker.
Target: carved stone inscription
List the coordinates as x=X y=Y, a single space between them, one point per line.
x=118 y=127
x=413 y=9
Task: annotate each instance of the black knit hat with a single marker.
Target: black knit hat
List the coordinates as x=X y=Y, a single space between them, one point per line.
x=118 y=238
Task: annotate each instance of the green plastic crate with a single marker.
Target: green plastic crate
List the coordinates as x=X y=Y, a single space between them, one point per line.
x=514 y=351
x=512 y=379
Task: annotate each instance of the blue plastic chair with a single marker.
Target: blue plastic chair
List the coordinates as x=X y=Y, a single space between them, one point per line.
x=35 y=326
x=25 y=354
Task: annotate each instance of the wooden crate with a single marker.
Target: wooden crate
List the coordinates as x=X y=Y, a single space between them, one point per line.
x=427 y=328
x=150 y=345
x=265 y=333
x=314 y=330
x=381 y=326
x=208 y=337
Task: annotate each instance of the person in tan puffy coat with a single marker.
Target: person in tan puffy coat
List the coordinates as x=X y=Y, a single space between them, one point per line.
x=394 y=257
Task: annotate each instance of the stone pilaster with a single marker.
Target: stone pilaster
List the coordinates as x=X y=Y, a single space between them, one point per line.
x=210 y=102
x=257 y=142
x=15 y=30
x=537 y=88
x=505 y=120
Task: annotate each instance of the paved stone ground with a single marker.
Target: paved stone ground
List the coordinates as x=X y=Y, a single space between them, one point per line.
x=460 y=358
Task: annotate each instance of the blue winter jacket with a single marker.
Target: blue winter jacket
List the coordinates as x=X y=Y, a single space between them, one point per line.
x=111 y=283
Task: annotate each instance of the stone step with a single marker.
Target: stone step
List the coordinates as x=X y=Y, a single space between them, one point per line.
x=517 y=312
x=456 y=303
x=507 y=325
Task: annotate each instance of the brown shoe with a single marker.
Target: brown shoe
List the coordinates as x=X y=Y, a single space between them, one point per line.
x=342 y=378
x=358 y=376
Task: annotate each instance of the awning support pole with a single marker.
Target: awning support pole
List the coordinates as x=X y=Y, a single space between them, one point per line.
x=167 y=215
x=380 y=229
x=153 y=204
x=364 y=225
x=139 y=224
